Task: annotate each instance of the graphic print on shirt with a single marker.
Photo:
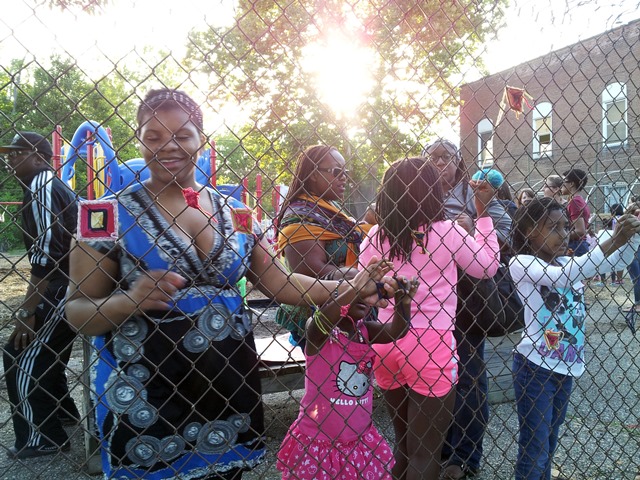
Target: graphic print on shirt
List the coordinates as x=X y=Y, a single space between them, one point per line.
x=354 y=379
x=562 y=318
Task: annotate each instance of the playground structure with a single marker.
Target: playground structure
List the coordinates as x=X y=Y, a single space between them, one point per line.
x=91 y=143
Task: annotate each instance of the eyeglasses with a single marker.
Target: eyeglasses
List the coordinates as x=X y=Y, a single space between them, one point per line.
x=335 y=171
x=434 y=158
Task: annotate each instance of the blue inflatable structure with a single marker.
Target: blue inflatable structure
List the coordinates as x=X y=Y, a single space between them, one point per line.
x=78 y=148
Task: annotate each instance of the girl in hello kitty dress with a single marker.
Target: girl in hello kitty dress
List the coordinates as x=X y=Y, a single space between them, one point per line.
x=333 y=436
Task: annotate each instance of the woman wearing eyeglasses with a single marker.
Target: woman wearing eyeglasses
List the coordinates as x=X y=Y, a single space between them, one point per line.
x=316 y=237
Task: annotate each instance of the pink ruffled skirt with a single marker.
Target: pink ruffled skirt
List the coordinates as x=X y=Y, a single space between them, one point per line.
x=306 y=458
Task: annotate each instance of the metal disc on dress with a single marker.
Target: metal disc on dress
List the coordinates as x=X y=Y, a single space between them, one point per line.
x=214 y=322
x=191 y=431
x=143 y=450
x=241 y=421
x=124 y=392
x=238 y=332
x=216 y=437
x=171 y=447
x=139 y=372
x=195 y=342
x=142 y=414
x=135 y=329
x=247 y=320
x=126 y=349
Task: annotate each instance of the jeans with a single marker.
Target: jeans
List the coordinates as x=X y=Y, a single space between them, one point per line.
x=634 y=273
x=471 y=411
x=542 y=398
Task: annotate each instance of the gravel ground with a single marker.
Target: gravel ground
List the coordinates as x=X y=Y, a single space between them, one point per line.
x=600 y=439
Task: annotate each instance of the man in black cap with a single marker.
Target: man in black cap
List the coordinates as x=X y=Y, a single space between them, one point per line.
x=39 y=347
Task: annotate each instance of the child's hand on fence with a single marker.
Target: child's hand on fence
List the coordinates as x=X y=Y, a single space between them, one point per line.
x=406 y=290
x=155 y=289
x=465 y=221
x=483 y=190
x=633 y=209
x=484 y=193
x=370 y=283
x=626 y=227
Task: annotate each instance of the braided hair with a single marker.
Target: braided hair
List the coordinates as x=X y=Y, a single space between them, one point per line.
x=307 y=162
x=526 y=218
x=410 y=198
x=168 y=98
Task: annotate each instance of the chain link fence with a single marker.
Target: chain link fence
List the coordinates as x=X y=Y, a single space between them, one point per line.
x=180 y=394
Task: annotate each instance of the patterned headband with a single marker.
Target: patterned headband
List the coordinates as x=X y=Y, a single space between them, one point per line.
x=157 y=100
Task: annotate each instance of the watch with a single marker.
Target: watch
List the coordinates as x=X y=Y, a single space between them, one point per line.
x=24 y=314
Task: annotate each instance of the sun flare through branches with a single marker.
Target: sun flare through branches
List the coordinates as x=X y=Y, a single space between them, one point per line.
x=342 y=70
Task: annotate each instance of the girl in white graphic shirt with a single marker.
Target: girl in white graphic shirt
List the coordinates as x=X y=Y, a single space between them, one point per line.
x=551 y=351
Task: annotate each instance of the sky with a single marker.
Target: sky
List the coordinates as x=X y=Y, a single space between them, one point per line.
x=536 y=27
x=532 y=27
x=123 y=28
x=114 y=32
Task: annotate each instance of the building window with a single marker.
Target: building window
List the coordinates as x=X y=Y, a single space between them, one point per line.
x=485 y=143
x=614 y=115
x=613 y=194
x=542 y=131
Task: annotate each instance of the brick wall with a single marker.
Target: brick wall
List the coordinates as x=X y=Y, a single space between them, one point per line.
x=572 y=79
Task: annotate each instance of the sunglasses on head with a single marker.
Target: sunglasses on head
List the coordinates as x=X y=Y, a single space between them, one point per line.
x=335 y=171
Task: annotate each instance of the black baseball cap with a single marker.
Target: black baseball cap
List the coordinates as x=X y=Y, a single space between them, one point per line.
x=29 y=141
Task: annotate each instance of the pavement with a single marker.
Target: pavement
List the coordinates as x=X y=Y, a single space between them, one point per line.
x=599 y=441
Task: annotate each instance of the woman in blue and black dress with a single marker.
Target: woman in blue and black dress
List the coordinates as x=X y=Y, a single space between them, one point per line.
x=175 y=378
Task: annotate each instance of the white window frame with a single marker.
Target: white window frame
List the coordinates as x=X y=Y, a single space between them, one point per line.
x=614 y=193
x=612 y=93
x=485 y=149
x=542 y=111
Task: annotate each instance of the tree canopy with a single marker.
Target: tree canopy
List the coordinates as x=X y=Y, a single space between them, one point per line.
x=418 y=47
x=416 y=54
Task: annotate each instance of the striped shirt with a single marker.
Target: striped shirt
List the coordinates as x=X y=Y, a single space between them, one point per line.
x=49 y=220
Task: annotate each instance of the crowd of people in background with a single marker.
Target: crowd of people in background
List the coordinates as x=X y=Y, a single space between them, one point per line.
x=175 y=379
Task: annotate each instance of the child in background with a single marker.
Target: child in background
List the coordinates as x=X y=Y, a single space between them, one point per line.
x=525 y=196
x=551 y=351
x=601 y=236
x=334 y=436
x=617 y=278
x=592 y=240
x=418 y=372
x=575 y=180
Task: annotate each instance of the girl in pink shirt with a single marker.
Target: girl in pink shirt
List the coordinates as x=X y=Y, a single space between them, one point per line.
x=333 y=436
x=417 y=373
